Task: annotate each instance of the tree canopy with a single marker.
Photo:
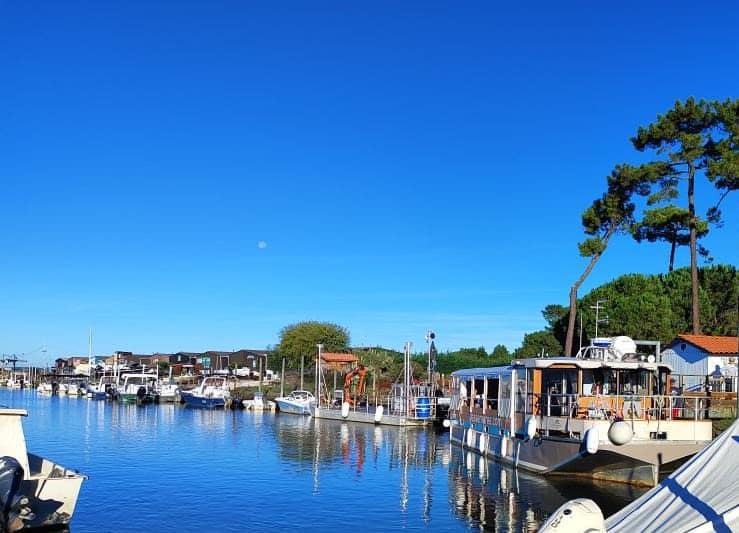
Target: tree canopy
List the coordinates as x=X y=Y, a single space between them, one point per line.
x=612 y=213
x=693 y=138
x=670 y=224
x=658 y=307
x=302 y=338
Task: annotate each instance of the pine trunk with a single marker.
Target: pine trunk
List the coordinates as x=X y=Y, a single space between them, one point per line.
x=573 y=292
x=693 y=253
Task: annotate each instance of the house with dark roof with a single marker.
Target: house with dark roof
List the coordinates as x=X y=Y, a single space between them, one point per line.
x=701 y=358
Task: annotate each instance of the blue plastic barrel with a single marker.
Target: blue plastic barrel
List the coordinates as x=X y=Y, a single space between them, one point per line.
x=423 y=407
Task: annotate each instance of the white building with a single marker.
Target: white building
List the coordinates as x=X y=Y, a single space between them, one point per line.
x=702 y=358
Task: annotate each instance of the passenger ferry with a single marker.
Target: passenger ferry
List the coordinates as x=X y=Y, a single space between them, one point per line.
x=607 y=413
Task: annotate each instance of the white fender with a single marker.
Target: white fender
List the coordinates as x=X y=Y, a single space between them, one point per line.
x=378 y=413
x=503 y=446
x=345 y=409
x=581 y=514
x=470 y=437
x=620 y=433
x=483 y=443
x=591 y=440
x=530 y=428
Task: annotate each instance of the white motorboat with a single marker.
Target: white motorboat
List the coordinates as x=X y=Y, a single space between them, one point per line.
x=213 y=392
x=167 y=389
x=37 y=493
x=299 y=402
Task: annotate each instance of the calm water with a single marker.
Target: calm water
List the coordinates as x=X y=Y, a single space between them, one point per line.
x=169 y=468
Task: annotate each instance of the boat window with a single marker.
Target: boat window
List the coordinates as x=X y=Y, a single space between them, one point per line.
x=504 y=407
x=492 y=392
x=597 y=382
x=634 y=382
x=465 y=387
x=559 y=381
x=588 y=381
x=479 y=391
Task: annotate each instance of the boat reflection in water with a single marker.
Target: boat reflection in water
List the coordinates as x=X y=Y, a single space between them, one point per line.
x=349 y=461
x=492 y=497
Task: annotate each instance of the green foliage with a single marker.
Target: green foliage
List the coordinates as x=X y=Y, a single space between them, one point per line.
x=301 y=339
x=693 y=138
x=723 y=171
x=538 y=343
x=553 y=313
x=670 y=224
x=386 y=365
x=658 y=307
x=500 y=352
x=471 y=358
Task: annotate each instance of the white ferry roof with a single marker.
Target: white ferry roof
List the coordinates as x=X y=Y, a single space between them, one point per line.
x=488 y=372
x=546 y=362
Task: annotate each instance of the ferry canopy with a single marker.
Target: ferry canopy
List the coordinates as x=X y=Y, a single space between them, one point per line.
x=703 y=495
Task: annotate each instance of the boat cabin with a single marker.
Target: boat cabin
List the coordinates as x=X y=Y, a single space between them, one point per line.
x=565 y=387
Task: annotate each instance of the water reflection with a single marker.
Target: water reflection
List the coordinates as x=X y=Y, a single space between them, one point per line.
x=177 y=467
x=492 y=497
x=408 y=455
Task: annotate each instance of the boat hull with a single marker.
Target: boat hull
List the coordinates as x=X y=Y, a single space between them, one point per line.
x=192 y=400
x=637 y=463
x=294 y=408
x=370 y=416
x=52 y=491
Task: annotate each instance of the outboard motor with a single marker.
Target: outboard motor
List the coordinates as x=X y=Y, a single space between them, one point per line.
x=141 y=394
x=11 y=476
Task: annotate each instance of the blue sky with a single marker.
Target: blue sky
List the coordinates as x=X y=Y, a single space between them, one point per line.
x=196 y=175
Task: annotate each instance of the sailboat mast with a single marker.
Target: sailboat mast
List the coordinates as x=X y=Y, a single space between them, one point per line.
x=90 y=362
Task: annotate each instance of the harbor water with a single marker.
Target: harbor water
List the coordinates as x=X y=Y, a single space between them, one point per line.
x=169 y=468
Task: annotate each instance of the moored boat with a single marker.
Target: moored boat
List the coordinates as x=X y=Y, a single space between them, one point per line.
x=298 y=402
x=213 y=392
x=138 y=388
x=607 y=414
x=39 y=494
x=409 y=403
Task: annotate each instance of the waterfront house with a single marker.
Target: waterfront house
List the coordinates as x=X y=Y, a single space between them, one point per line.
x=703 y=359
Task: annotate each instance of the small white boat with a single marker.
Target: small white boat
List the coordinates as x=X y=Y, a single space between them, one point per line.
x=167 y=390
x=103 y=389
x=37 y=493
x=214 y=391
x=298 y=402
x=45 y=388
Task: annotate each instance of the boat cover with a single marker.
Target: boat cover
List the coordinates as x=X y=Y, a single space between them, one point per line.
x=702 y=495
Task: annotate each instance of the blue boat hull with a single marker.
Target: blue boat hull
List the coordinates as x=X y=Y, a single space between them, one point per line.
x=207 y=403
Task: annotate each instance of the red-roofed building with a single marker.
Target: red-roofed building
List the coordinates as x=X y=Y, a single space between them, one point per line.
x=701 y=356
x=338 y=361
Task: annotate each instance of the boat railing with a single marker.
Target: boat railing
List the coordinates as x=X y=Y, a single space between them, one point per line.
x=420 y=407
x=624 y=406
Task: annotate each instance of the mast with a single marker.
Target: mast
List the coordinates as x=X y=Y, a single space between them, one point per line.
x=90 y=362
x=407 y=378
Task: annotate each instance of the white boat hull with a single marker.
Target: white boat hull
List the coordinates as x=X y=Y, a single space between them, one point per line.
x=296 y=408
x=48 y=492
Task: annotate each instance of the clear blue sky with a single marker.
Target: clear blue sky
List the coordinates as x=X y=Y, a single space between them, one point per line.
x=193 y=175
